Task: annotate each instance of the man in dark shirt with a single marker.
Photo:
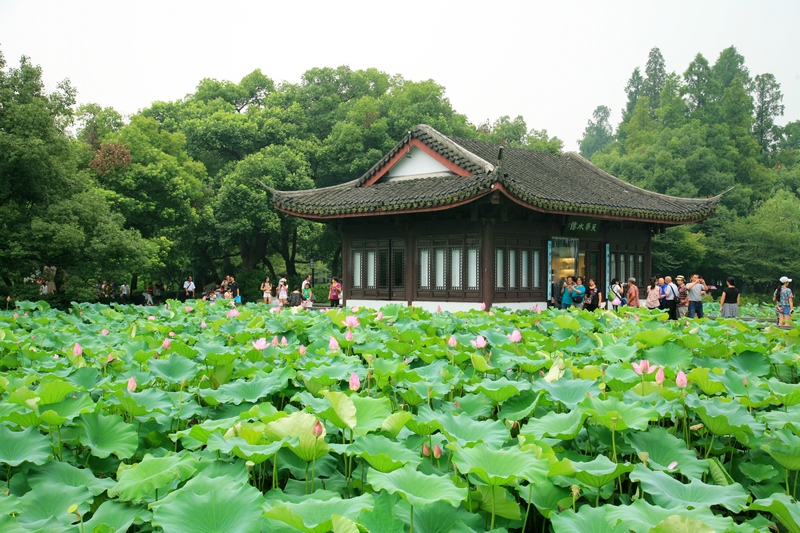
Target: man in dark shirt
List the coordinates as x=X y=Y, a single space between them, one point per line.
x=233 y=286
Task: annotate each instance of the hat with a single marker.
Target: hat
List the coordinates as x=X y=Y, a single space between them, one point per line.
x=679 y=278
x=784 y=279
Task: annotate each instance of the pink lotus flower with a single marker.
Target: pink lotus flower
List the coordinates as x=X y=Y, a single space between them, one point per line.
x=104 y=332
x=515 y=336
x=426 y=451
x=643 y=367
x=317 y=430
x=132 y=384
x=437 y=451
x=151 y=317
x=171 y=333
x=275 y=340
x=348 y=336
x=536 y=323
x=351 y=321
x=355 y=383
x=660 y=375
x=744 y=382
x=16 y=316
x=8 y=298
x=672 y=465
x=302 y=349
x=379 y=316
x=483 y=306
x=110 y=357
x=680 y=380
x=333 y=345
x=232 y=313
x=77 y=350
x=203 y=324
x=355 y=309
x=205 y=298
x=438 y=308
x=260 y=344
x=166 y=344
x=284 y=342
x=55 y=356
x=479 y=342
x=187 y=309
x=452 y=342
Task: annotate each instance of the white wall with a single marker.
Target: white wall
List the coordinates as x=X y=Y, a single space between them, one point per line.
x=445 y=306
x=418 y=164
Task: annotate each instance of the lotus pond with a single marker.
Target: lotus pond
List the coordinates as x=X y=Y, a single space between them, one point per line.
x=199 y=418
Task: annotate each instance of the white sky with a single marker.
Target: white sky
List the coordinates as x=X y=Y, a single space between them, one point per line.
x=552 y=62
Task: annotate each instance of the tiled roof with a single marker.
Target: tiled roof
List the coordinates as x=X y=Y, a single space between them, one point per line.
x=560 y=183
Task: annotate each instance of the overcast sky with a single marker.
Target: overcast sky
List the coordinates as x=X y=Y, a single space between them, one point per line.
x=551 y=62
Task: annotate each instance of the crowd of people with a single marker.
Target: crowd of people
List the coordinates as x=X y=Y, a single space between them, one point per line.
x=678 y=298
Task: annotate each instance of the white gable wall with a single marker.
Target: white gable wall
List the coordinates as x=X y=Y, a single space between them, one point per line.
x=418 y=164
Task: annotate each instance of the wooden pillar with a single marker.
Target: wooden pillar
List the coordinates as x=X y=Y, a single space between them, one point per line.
x=347 y=274
x=487 y=262
x=411 y=265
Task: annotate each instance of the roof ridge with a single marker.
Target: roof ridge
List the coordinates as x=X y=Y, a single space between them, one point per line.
x=486 y=166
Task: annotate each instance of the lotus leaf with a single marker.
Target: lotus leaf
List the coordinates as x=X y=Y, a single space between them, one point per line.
x=315 y=516
x=174 y=369
x=671 y=493
x=464 y=430
x=785 y=449
x=783 y=508
x=381 y=517
x=564 y=426
x=68 y=475
x=17 y=447
x=586 y=520
x=371 y=413
x=569 y=392
x=117 y=515
x=207 y=505
x=51 y=503
x=301 y=425
x=641 y=516
x=499 y=390
x=618 y=415
x=500 y=467
x=663 y=449
x=725 y=418
x=152 y=474
x=342 y=410
x=669 y=355
x=383 y=454
x=107 y=434
x=257 y=453
x=417 y=489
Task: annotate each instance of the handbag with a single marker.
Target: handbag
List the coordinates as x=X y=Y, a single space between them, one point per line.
x=577 y=299
x=616 y=301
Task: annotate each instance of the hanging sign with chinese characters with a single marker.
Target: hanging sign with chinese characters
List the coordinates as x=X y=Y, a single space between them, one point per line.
x=582 y=226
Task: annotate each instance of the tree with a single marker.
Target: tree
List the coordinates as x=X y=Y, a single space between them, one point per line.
x=698 y=87
x=96 y=123
x=250 y=91
x=634 y=89
x=598 y=133
x=656 y=73
x=768 y=97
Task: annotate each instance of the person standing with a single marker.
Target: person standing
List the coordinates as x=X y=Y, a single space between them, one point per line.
x=784 y=299
x=578 y=293
x=729 y=302
x=335 y=292
x=233 y=287
x=266 y=289
x=696 y=288
x=148 y=294
x=670 y=298
x=188 y=288
x=159 y=294
x=124 y=291
x=633 y=293
x=616 y=292
x=653 y=300
x=566 y=292
x=682 y=307
x=594 y=298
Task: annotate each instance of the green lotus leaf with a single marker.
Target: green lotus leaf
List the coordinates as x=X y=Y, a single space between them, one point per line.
x=153 y=473
x=619 y=352
x=29 y=445
x=68 y=475
x=641 y=516
x=343 y=524
x=789 y=418
x=499 y=390
x=56 y=414
x=545 y=496
x=701 y=377
x=54 y=391
x=9 y=524
x=663 y=449
x=669 y=355
x=257 y=453
x=519 y=406
x=464 y=430
x=326 y=375
x=653 y=337
x=671 y=493
x=615 y=414
x=383 y=454
x=567 y=322
x=107 y=434
x=381 y=517
x=174 y=369
x=725 y=418
x=395 y=422
x=251 y=391
x=564 y=426
x=496 y=499
x=758 y=472
x=315 y=516
x=785 y=449
x=595 y=473
x=441 y=517
x=479 y=363
x=301 y=425
x=206 y=505
x=783 y=508
x=117 y=515
x=569 y=392
x=198 y=434
x=417 y=488
x=342 y=410
x=500 y=466
x=586 y=520
x=51 y=502
x=371 y=413
x=787 y=393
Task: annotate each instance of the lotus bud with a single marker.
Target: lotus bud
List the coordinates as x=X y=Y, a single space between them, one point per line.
x=302 y=349
x=166 y=344
x=379 y=316
x=317 y=431
x=452 y=342
x=16 y=316
x=348 y=336
x=680 y=380
x=275 y=340
x=333 y=344
x=437 y=451
x=203 y=324
x=104 y=332
x=187 y=309
x=644 y=457
x=483 y=306
x=110 y=357
x=672 y=465
x=151 y=317
x=660 y=375
x=284 y=342
x=426 y=451
x=132 y=384
x=744 y=382
x=8 y=298
x=77 y=350
x=438 y=308
x=355 y=383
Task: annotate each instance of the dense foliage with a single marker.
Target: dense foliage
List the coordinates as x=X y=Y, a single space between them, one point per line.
x=208 y=418
x=706 y=132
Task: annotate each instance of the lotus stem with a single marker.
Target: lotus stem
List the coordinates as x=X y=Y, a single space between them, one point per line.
x=492 y=525
x=786 y=480
x=710 y=445
x=313 y=472
x=412 y=519
x=275 y=471
x=528 y=510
